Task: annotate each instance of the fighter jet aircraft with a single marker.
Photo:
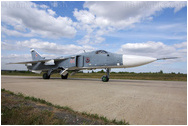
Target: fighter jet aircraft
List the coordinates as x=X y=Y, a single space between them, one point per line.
x=99 y=59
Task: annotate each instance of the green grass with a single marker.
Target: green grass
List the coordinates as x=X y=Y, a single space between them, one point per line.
x=15 y=112
x=113 y=75
x=17 y=116
x=27 y=115
x=19 y=73
x=136 y=76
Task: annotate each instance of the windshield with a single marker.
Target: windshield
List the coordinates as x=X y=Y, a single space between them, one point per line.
x=101 y=52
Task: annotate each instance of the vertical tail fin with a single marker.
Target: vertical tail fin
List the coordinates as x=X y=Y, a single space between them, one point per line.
x=35 y=55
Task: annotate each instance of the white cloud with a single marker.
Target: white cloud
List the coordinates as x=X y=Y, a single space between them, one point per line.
x=120 y=13
x=181 y=45
x=43 y=6
x=84 y=16
x=15 y=32
x=51 y=12
x=88 y=22
x=17 y=57
x=19 y=28
x=53 y=48
x=91 y=40
x=110 y=16
x=7 y=46
x=37 y=21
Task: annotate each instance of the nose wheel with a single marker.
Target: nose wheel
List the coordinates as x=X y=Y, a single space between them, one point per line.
x=105 y=78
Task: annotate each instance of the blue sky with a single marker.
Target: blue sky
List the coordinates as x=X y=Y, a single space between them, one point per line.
x=156 y=29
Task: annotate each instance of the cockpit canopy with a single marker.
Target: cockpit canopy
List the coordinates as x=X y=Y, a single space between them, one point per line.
x=101 y=52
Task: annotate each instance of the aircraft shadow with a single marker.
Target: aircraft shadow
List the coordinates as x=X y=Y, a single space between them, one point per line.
x=99 y=80
x=91 y=79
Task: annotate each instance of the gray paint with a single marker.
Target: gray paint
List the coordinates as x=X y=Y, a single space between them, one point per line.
x=88 y=60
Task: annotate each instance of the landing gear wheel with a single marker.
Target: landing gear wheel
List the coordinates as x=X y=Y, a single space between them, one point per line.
x=105 y=78
x=64 y=77
x=45 y=76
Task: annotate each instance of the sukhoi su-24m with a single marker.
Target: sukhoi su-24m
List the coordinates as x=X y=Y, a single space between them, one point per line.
x=99 y=59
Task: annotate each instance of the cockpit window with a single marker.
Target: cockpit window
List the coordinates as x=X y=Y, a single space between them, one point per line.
x=101 y=52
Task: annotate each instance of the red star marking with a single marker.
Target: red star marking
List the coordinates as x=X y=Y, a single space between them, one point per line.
x=36 y=55
x=72 y=60
x=87 y=60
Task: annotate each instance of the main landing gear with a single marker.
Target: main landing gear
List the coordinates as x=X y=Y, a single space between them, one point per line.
x=49 y=72
x=46 y=76
x=105 y=78
x=64 y=77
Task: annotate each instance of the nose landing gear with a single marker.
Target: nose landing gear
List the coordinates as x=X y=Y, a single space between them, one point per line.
x=105 y=78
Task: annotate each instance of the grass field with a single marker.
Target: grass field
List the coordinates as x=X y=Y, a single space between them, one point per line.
x=17 y=109
x=113 y=75
x=136 y=76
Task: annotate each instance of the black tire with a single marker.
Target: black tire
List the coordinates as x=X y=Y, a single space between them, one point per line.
x=45 y=76
x=64 y=77
x=105 y=78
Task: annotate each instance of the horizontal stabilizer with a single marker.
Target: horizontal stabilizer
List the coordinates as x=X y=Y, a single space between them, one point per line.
x=167 y=58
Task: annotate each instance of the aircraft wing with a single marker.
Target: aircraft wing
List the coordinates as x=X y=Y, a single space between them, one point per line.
x=43 y=60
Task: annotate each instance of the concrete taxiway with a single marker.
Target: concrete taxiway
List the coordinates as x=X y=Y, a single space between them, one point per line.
x=136 y=101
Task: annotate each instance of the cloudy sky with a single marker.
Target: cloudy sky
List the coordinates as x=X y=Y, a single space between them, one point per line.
x=156 y=29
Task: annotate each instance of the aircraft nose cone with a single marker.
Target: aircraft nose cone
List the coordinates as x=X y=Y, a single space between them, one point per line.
x=133 y=61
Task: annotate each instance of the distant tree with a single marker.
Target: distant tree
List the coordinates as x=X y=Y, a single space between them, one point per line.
x=92 y=71
x=161 y=72
x=102 y=71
